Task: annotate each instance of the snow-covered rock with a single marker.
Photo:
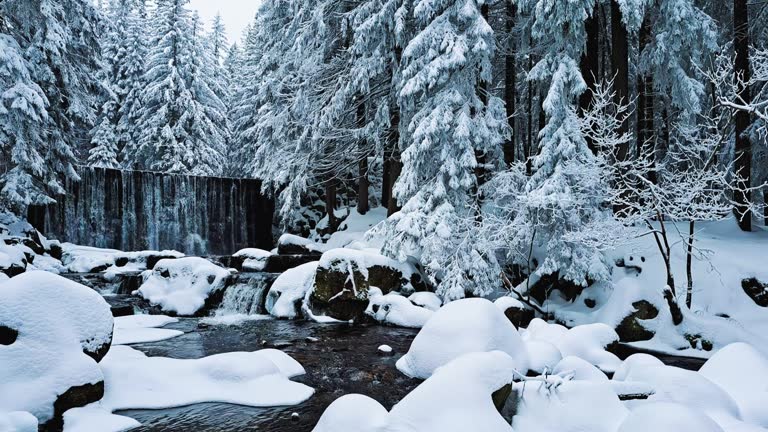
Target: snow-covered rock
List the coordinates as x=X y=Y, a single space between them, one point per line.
x=87 y=259
x=285 y=296
x=344 y=277
x=396 y=310
x=457 y=397
x=667 y=417
x=573 y=406
x=519 y=314
x=143 y=328
x=183 y=285
x=742 y=372
x=253 y=259
x=17 y=421
x=635 y=360
x=53 y=332
x=289 y=244
x=426 y=299
x=588 y=342
x=94 y=417
x=352 y=413
x=260 y=378
x=579 y=369
x=461 y=327
x=543 y=355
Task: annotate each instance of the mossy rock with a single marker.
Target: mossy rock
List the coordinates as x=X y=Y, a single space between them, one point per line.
x=756 y=290
x=344 y=296
x=630 y=329
x=698 y=342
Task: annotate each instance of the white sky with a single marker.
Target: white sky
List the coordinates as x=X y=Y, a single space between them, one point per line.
x=237 y=14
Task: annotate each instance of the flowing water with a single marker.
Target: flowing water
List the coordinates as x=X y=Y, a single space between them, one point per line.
x=247 y=294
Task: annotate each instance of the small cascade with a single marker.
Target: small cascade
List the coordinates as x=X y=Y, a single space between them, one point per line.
x=129 y=282
x=246 y=295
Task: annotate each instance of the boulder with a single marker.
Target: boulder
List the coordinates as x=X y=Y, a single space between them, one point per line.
x=631 y=329
x=518 y=313
x=289 y=244
x=282 y=263
x=344 y=277
x=74 y=324
x=756 y=290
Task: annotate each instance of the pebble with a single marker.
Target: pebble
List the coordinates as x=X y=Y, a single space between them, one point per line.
x=385 y=349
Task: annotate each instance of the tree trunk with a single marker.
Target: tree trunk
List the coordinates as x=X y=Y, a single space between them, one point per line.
x=510 y=81
x=362 y=181
x=689 y=264
x=330 y=204
x=395 y=165
x=620 y=66
x=743 y=149
x=590 y=63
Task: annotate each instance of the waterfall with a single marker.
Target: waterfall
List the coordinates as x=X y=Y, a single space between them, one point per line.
x=137 y=210
x=246 y=295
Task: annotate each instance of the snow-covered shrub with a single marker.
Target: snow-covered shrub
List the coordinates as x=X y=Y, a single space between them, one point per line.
x=395 y=309
x=742 y=371
x=183 y=285
x=285 y=296
x=352 y=413
x=461 y=327
x=574 y=406
x=52 y=334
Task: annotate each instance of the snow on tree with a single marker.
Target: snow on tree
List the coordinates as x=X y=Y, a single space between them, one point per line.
x=133 y=84
x=182 y=119
x=59 y=43
x=449 y=119
x=567 y=196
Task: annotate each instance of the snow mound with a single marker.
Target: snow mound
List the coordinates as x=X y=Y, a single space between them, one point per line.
x=182 y=285
x=143 y=328
x=54 y=332
x=461 y=327
x=574 y=406
x=293 y=244
x=541 y=330
x=585 y=341
x=507 y=302
x=396 y=310
x=17 y=421
x=667 y=417
x=260 y=378
x=426 y=299
x=543 y=355
x=743 y=373
x=352 y=413
x=253 y=259
x=635 y=360
x=289 y=289
x=579 y=369
x=457 y=397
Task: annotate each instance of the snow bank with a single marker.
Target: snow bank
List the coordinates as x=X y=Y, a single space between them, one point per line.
x=17 y=421
x=253 y=259
x=667 y=417
x=742 y=372
x=182 y=285
x=461 y=327
x=143 y=328
x=60 y=328
x=352 y=413
x=396 y=310
x=95 y=418
x=587 y=341
x=260 y=378
x=574 y=406
x=457 y=397
x=426 y=299
x=289 y=289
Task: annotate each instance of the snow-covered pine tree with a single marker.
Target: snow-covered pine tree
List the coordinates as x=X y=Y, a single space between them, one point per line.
x=182 y=119
x=448 y=119
x=566 y=195
x=105 y=137
x=135 y=60
x=60 y=45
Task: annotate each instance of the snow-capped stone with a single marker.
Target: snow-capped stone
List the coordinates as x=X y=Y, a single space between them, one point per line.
x=285 y=296
x=289 y=244
x=543 y=355
x=396 y=310
x=143 y=328
x=518 y=313
x=352 y=413
x=253 y=259
x=55 y=332
x=426 y=299
x=579 y=369
x=386 y=349
x=183 y=285
x=635 y=360
x=461 y=327
x=589 y=343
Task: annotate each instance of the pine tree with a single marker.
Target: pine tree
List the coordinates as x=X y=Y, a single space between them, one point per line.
x=449 y=119
x=134 y=83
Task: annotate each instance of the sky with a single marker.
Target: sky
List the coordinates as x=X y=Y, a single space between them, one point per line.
x=237 y=14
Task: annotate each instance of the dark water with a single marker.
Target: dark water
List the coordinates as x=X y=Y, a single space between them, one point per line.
x=344 y=359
